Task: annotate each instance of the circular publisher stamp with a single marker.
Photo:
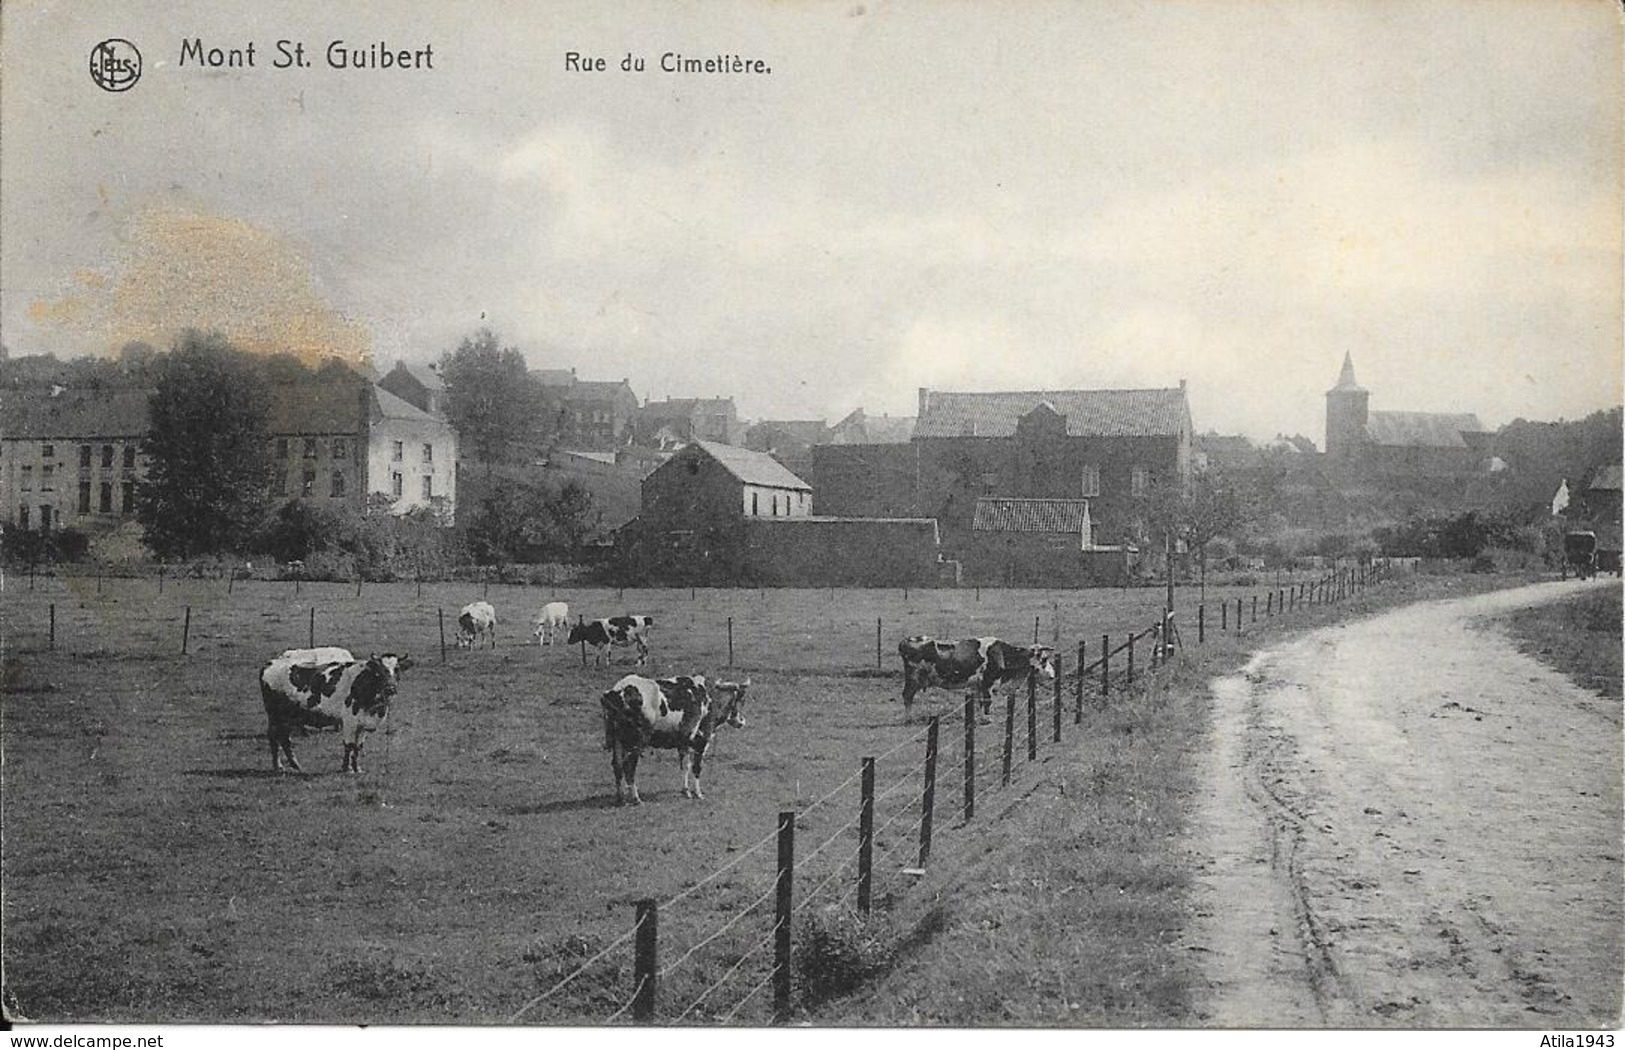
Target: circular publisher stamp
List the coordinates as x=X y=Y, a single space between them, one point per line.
x=115 y=65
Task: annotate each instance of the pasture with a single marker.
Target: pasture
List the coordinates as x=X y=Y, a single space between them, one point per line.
x=157 y=870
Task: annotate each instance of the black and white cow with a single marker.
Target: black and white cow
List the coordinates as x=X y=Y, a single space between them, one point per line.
x=353 y=695
x=602 y=635
x=675 y=713
x=476 y=619
x=984 y=664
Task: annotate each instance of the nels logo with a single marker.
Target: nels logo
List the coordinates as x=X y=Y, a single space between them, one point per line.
x=115 y=65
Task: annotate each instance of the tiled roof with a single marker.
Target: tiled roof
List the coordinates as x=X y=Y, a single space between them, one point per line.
x=753 y=468
x=806 y=431
x=1607 y=477
x=387 y=406
x=684 y=407
x=426 y=376
x=31 y=414
x=1421 y=429
x=595 y=389
x=320 y=408
x=1030 y=515
x=1089 y=413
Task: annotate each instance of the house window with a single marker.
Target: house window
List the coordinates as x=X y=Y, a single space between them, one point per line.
x=22 y=515
x=337 y=489
x=45 y=517
x=84 y=497
x=127 y=497
x=397 y=451
x=107 y=457
x=428 y=452
x=396 y=482
x=47 y=482
x=129 y=457
x=1091 y=481
x=340 y=449
x=84 y=456
x=307 y=484
x=47 y=451
x=310 y=448
x=105 y=505
x=428 y=487
x=28 y=478
x=281 y=449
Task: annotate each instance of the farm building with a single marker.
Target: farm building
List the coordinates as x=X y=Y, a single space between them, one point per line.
x=418 y=385
x=73 y=458
x=1096 y=449
x=689 y=419
x=1042 y=543
x=1418 y=444
x=586 y=413
x=719 y=513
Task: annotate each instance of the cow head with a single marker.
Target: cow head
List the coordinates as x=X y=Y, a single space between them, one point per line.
x=375 y=685
x=578 y=633
x=730 y=710
x=397 y=664
x=1042 y=661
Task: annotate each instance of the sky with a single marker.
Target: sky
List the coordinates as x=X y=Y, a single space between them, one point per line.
x=955 y=195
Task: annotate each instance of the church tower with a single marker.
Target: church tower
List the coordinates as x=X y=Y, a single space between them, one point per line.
x=1346 y=409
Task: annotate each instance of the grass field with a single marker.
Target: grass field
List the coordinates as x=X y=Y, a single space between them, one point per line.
x=1581 y=638
x=155 y=869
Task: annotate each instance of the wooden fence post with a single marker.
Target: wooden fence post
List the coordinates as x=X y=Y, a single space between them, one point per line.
x=644 y=971
x=1224 y=616
x=358 y=582
x=970 y=758
x=312 y=635
x=1032 y=717
x=441 y=615
x=866 y=837
x=1058 y=699
x=1130 y=678
x=1077 y=714
x=1238 y=615
x=1035 y=630
x=781 y=924
x=877 y=643
x=1269 y=605
x=730 y=641
x=1255 y=609
x=581 y=621
x=53 y=628
x=1201 y=625
x=1105 y=667
x=1009 y=734
x=929 y=801
x=186 y=628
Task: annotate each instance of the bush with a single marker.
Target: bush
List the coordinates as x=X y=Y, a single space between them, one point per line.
x=837 y=952
x=37 y=547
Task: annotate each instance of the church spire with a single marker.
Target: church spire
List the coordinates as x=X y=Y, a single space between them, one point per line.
x=1345 y=379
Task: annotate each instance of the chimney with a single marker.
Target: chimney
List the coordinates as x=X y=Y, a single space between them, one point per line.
x=925 y=400
x=1181 y=384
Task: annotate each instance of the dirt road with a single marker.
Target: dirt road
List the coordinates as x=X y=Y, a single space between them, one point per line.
x=1411 y=824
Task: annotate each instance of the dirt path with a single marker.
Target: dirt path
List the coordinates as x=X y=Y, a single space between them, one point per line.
x=1412 y=824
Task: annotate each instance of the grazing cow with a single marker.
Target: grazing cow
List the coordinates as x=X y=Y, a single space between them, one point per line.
x=554 y=617
x=615 y=631
x=983 y=663
x=476 y=619
x=677 y=713
x=351 y=694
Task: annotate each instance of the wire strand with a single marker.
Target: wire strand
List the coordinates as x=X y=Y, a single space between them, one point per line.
x=730 y=972
x=729 y=1016
x=611 y=946
x=665 y=970
x=726 y=867
x=628 y=1004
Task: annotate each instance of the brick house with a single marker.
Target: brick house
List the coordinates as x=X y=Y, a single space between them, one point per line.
x=418 y=385
x=588 y=414
x=719 y=513
x=691 y=419
x=71 y=457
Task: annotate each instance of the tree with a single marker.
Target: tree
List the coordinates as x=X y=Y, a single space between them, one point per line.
x=491 y=399
x=209 y=450
x=1210 y=506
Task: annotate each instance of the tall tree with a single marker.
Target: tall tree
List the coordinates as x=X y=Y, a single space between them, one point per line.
x=209 y=449
x=1208 y=507
x=491 y=399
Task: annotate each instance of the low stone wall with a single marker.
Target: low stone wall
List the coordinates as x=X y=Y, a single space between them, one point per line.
x=835 y=552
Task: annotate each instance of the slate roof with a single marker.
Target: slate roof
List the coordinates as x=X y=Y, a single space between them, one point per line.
x=1607 y=477
x=753 y=468
x=1030 y=515
x=35 y=414
x=1421 y=429
x=387 y=406
x=806 y=431
x=554 y=376
x=595 y=389
x=1089 y=413
x=426 y=376
x=684 y=407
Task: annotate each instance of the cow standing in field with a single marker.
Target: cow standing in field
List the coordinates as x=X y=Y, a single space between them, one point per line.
x=476 y=619
x=550 y=622
x=353 y=695
x=604 y=635
x=675 y=713
x=985 y=664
